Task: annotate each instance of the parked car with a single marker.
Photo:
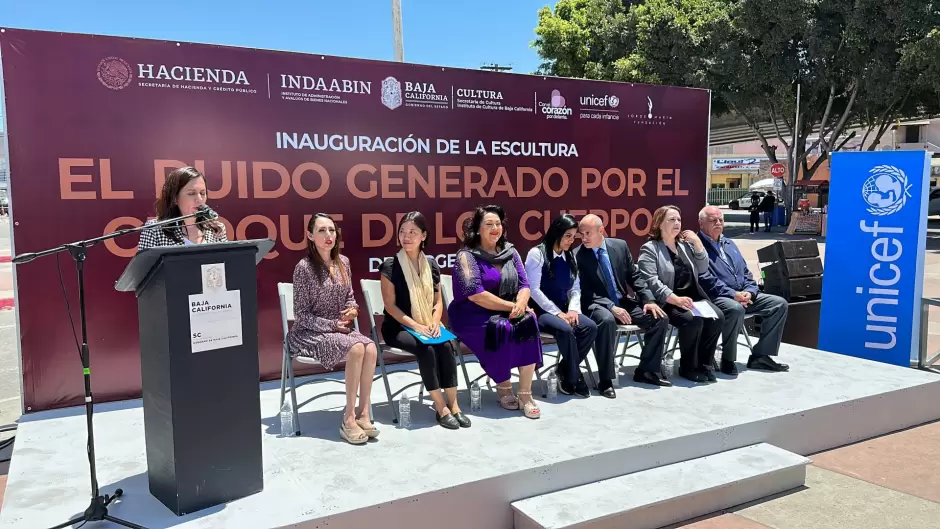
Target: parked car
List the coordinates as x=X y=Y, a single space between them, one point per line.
x=933 y=207
x=744 y=201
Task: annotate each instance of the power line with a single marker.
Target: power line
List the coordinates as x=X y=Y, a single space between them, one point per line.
x=496 y=68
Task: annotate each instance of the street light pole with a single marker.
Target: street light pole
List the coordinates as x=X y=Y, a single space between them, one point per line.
x=396 y=31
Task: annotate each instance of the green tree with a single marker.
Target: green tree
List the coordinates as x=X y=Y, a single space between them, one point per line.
x=857 y=62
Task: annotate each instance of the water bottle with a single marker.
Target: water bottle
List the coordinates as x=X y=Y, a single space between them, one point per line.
x=287 y=420
x=476 y=399
x=668 y=366
x=552 y=392
x=404 y=411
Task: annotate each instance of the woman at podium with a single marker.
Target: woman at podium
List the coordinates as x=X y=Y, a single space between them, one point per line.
x=411 y=290
x=182 y=194
x=324 y=311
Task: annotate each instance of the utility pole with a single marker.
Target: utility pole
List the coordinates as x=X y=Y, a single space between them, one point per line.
x=496 y=68
x=396 y=31
x=794 y=171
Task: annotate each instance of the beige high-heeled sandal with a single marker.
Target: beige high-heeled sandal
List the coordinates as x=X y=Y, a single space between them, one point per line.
x=508 y=402
x=530 y=409
x=370 y=430
x=351 y=436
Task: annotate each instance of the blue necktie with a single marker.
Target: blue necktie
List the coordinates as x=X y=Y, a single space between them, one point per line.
x=608 y=273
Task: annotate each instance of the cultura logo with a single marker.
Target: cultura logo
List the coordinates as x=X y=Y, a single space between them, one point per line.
x=115 y=73
x=886 y=190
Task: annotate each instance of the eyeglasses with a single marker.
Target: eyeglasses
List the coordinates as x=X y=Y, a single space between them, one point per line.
x=492 y=225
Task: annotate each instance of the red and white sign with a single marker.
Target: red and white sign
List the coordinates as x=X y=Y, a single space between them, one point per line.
x=777 y=170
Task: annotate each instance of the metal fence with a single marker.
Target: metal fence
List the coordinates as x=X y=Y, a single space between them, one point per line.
x=923 y=362
x=721 y=196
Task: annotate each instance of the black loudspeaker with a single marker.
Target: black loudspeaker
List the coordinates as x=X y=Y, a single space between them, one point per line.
x=783 y=250
x=794 y=270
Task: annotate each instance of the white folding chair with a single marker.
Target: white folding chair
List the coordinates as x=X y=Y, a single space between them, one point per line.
x=625 y=332
x=285 y=292
x=447 y=296
x=375 y=305
x=549 y=340
x=673 y=338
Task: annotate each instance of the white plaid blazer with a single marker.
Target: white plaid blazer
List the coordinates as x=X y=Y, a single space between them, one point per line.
x=158 y=237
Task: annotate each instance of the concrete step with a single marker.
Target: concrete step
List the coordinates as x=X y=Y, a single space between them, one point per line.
x=673 y=493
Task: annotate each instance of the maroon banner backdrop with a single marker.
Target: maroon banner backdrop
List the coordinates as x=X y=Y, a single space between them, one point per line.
x=95 y=124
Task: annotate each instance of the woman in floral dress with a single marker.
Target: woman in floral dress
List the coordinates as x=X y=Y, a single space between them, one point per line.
x=324 y=311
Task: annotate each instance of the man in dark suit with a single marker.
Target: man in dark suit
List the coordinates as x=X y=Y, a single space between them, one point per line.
x=612 y=293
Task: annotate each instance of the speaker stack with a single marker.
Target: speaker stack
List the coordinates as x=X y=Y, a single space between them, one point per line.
x=794 y=271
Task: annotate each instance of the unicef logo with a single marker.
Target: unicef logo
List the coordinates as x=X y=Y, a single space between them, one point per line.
x=886 y=190
x=114 y=73
x=614 y=101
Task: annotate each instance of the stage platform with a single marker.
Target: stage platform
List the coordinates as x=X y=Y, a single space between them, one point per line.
x=429 y=477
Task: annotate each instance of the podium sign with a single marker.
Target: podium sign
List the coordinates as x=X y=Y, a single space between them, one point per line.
x=877 y=225
x=197 y=310
x=215 y=314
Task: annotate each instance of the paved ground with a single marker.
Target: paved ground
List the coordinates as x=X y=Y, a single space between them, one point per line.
x=9 y=360
x=890 y=482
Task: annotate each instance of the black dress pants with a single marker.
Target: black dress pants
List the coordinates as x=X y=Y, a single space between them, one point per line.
x=755 y=221
x=574 y=343
x=698 y=337
x=436 y=363
x=654 y=337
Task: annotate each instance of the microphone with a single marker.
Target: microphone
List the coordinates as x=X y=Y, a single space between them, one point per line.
x=205 y=213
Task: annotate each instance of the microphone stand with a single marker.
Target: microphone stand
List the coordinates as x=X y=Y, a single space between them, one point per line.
x=98 y=510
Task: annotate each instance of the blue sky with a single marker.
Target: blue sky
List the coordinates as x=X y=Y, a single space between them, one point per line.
x=446 y=33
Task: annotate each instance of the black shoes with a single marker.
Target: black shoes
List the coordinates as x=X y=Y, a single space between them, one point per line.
x=709 y=375
x=647 y=377
x=606 y=389
x=462 y=419
x=693 y=375
x=729 y=368
x=565 y=388
x=766 y=363
x=448 y=421
x=581 y=388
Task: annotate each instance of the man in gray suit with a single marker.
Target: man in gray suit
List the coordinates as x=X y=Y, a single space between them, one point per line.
x=612 y=293
x=737 y=295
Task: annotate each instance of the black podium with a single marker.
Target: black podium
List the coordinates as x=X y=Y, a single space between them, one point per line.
x=197 y=310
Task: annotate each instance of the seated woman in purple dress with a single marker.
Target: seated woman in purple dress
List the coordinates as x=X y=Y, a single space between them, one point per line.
x=324 y=311
x=490 y=312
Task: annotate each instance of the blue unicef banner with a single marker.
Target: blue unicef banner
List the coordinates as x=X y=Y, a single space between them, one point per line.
x=875 y=245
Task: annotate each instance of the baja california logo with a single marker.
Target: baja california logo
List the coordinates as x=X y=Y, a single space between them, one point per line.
x=391 y=93
x=115 y=73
